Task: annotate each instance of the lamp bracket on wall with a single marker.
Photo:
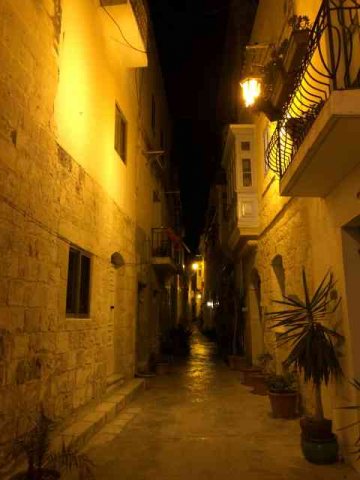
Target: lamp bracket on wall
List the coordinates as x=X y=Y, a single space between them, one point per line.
x=117 y=260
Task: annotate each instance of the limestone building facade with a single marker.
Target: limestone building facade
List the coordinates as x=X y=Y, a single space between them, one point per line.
x=86 y=216
x=293 y=175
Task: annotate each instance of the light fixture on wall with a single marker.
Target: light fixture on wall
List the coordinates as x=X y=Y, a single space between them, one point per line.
x=117 y=260
x=251 y=90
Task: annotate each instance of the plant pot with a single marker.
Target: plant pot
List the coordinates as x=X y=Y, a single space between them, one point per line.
x=312 y=429
x=296 y=51
x=259 y=383
x=247 y=373
x=320 y=452
x=272 y=112
x=47 y=474
x=237 y=362
x=162 y=368
x=284 y=405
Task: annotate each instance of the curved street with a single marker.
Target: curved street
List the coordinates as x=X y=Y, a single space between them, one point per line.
x=199 y=422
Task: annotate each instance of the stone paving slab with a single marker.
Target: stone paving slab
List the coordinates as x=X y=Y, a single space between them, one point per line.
x=200 y=423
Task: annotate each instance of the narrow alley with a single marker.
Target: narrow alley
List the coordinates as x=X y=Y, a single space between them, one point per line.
x=199 y=422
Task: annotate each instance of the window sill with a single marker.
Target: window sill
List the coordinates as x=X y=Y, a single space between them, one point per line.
x=78 y=319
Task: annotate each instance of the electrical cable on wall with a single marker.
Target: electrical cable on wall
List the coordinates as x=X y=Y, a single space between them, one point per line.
x=127 y=43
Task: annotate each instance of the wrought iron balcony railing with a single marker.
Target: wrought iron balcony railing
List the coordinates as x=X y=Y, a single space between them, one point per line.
x=166 y=244
x=331 y=62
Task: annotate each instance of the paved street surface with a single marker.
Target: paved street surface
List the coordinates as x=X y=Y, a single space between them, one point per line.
x=199 y=422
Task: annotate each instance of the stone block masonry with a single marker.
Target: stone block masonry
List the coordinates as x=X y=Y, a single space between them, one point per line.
x=47 y=203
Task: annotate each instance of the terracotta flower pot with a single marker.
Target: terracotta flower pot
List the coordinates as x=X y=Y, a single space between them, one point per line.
x=236 y=362
x=284 y=405
x=316 y=429
x=162 y=368
x=247 y=374
x=259 y=382
x=47 y=474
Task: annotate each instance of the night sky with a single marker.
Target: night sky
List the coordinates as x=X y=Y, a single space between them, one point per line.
x=190 y=37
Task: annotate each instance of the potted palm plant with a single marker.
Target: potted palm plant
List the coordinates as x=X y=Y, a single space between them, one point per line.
x=283 y=395
x=42 y=462
x=304 y=327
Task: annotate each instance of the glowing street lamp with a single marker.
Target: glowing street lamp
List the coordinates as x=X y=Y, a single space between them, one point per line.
x=195 y=266
x=251 y=90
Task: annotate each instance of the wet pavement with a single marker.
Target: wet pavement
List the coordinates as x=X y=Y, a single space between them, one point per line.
x=199 y=422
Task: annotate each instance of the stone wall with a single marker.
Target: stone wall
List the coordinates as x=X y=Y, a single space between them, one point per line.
x=47 y=202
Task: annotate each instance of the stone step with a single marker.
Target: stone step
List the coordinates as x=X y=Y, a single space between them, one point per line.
x=80 y=432
x=113 y=428
x=92 y=419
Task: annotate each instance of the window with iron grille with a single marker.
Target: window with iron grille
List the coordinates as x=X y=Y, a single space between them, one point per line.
x=78 y=283
x=120 y=133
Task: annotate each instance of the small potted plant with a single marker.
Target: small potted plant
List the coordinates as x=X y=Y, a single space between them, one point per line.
x=276 y=86
x=313 y=353
x=42 y=462
x=298 y=42
x=283 y=395
x=259 y=380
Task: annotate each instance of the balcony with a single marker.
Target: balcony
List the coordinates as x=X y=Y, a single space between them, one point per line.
x=126 y=28
x=167 y=250
x=315 y=144
x=243 y=218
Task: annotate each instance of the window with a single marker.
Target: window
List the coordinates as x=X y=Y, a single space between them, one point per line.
x=78 y=284
x=245 y=146
x=246 y=172
x=120 y=133
x=153 y=113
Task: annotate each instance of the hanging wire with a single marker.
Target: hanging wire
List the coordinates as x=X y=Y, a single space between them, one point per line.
x=127 y=43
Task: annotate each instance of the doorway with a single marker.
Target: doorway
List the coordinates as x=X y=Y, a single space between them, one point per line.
x=351 y=259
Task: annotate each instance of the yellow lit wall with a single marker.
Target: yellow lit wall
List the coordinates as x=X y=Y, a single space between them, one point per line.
x=85 y=102
x=305 y=232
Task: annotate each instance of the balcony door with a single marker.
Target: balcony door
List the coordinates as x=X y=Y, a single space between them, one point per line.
x=351 y=259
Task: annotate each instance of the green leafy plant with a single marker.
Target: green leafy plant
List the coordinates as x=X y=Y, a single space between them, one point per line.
x=264 y=359
x=285 y=383
x=299 y=22
x=313 y=352
x=43 y=463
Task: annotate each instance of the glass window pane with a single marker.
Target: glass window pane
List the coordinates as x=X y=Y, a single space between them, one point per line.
x=246 y=170
x=72 y=281
x=84 y=285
